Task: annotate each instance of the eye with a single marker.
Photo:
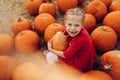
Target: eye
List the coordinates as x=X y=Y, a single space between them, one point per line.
x=77 y=25
x=69 y=24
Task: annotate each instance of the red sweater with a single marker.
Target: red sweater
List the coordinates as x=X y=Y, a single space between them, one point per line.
x=80 y=53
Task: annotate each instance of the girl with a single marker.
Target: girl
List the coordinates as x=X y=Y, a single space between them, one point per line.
x=80 y=53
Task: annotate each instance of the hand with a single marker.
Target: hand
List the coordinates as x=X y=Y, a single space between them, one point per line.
x=49 y=45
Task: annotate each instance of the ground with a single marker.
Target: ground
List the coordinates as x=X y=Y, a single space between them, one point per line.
x=9 y=11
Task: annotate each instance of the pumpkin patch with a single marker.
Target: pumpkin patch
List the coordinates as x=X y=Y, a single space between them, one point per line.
x=36 y=24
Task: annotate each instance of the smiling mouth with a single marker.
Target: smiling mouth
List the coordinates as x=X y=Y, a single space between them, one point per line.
x=73 y=32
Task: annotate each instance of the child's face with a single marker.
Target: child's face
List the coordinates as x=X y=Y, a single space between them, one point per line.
x=74 y=24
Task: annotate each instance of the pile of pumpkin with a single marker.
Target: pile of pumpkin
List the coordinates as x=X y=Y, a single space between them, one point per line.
x=28 y=38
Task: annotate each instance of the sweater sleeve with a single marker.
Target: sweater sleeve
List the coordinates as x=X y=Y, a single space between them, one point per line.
x=74 y=46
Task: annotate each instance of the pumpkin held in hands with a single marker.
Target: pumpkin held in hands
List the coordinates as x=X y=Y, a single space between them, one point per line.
x=59 y=41
x=52 y=29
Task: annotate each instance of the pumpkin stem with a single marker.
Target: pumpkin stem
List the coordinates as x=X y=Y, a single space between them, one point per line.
x=32 y=0
x=19 y=19
x=22 y=33
x=104 y=29
x=108 y=67
x=44 y=16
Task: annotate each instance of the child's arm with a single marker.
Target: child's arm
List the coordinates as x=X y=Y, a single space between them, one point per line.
x=57 y=52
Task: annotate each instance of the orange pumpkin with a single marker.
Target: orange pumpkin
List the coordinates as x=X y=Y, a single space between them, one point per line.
x=59 y=72
x=104 y=38
x=6 y=44
x=32 y=6
x=7 y=67
x=64 y=5
x=26 y=71
x=27 y=42
x=47 y=8
x=106 y=2
x=110 y=63
x=115 y=5
x=42 y=21
x=20 y=24
x=97 y=8
x=59 y=41
x=52 y=29
x=95 y=75
x=90 y=22
x=112 y=20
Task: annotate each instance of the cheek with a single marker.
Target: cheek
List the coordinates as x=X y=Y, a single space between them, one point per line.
x=79 y=29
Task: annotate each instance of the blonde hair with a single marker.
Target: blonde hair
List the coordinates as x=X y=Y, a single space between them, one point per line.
x=75 y=11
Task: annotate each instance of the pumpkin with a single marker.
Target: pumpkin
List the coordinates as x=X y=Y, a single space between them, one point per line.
x=6 y=44
x=106 y=2
x=32 y=6
x=112 y=20
x=59 y=72
x=20 y=24
x=42 y=21
x=115 y=5
x=47 y=8
x=104 y=38
x=59 y=41
x=97 y=8
x=26 y=71
x=27 y=42
x=110 y=63
x=51 y=30
x=64 y=5
x=90 y=22
x=7 y=67
x=95 y=75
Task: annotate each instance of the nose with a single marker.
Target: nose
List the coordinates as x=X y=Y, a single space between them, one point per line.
x=72 y=27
